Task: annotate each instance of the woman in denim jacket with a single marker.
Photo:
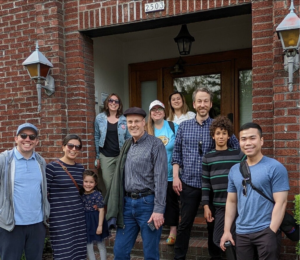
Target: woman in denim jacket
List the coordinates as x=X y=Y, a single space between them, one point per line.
x=110 y=134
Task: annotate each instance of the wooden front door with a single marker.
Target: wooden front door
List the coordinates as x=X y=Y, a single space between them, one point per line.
x=220 y=72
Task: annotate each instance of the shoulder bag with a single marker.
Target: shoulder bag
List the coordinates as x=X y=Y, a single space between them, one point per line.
x=66 y=170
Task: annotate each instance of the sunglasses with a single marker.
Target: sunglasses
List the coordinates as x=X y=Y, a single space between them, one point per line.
x=71 y=147
x=31 y=137
x=114 y=100
x=200 y=148
x=244 y=183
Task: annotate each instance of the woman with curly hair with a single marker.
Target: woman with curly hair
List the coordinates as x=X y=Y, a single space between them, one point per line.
x=178 y=109
x=110 y=134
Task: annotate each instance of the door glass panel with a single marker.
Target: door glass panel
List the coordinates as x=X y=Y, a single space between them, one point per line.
x=187 y=85
x=245 y=94
x=149 y=93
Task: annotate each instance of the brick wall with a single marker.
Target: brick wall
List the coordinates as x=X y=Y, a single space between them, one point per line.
x=275 y=108
x=99 y=13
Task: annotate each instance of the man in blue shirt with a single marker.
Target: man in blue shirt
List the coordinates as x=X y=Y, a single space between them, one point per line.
x=23 y=198
x=258 y=221
x=192 y=141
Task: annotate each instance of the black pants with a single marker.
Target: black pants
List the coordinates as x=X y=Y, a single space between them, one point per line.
x=27 y=238
x=190 y=198
x=214 y=250
x=172 y=207
x=266 y=242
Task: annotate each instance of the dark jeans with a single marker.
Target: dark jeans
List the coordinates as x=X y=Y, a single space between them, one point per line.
x=27 y=238
x=190 y=198
x=266 y=242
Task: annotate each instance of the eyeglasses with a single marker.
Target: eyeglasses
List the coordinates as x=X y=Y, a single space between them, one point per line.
x=156 y=110
x=200 y=148
x=71 y=146
x=244 y=183
x=31 y=137
x=114 y=100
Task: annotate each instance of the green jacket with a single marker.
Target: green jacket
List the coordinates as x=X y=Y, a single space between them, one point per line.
x=115 y=195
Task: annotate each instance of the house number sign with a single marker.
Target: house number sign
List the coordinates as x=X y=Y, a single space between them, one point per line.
x=152 y=7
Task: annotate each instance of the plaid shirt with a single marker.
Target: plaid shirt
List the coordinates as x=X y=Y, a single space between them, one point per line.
x=186 y=149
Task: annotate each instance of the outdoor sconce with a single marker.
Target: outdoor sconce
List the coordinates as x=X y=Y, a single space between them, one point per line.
x=38 y=67
x=184 y=40
x=289 y=33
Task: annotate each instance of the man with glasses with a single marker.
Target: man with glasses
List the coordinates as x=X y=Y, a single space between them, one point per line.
x=192 y=141
x=258 y=221
x=23 y=198
x=137 y=197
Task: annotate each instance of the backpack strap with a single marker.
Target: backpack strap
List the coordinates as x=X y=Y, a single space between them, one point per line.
x=171 y=124
x=245 y=171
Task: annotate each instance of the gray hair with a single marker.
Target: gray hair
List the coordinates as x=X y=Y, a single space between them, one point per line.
x=202 y=89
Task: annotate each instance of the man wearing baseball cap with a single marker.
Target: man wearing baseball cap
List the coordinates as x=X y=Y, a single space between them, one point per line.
x=137 y=198
x=23 y=198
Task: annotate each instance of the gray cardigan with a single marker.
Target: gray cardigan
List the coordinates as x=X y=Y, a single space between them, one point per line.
x=7 y=171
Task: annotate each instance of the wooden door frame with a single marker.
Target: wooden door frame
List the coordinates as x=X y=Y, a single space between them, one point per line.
x=154 y=70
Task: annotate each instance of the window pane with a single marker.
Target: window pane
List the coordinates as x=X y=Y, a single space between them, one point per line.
x=245 y=91
x=149 y=93
x=187 y=86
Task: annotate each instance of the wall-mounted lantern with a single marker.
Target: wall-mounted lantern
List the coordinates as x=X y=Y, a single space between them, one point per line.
x=289 y=33
x=38 y=67
x=184 y=40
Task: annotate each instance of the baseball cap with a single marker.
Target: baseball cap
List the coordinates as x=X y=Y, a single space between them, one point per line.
x=156 y=103
x=28 y=126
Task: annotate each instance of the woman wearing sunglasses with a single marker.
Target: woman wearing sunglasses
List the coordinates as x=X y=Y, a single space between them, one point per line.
x=178 y=109
x=166 y=131
x=67 y=219
x=110 y=134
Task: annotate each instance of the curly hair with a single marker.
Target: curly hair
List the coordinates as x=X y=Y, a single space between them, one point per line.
x=221 y=122
x=106 y=109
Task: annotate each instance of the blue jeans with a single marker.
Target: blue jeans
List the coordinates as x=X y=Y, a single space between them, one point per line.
x=136 y=214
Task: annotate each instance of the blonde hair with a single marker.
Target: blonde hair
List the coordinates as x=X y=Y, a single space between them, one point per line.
x=184 y=108
x=150 y=123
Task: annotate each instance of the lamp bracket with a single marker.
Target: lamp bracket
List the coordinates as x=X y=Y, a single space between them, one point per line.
x=49 y=85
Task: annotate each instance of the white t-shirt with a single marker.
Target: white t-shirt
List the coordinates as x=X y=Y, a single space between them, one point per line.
x=187 y=116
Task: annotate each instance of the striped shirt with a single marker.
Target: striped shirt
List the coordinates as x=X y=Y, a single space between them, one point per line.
x=146 y=167
x=186 y=149
x=216 y=166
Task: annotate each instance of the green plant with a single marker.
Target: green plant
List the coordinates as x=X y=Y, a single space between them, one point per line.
x=297 y=218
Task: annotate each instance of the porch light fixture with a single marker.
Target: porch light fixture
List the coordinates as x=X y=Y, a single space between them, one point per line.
x=184 y=40
x=289 y=33
x=38 y=67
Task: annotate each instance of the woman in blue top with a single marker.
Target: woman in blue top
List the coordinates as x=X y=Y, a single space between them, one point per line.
x=166 y=131
x=110 y=134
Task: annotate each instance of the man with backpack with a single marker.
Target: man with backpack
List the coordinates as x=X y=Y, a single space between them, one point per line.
x=258 y=221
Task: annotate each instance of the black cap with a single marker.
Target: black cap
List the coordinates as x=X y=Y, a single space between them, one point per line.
x=135 y=111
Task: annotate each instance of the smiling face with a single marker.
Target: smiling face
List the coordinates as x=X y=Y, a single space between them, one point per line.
x=176 y=102
x=157 y=113
x=26 y=146
x=71 y=154
x=113 y=103
x=89 y=184
x=251 y=142
x=136 y=126
x=221 y=137
x=202 y=104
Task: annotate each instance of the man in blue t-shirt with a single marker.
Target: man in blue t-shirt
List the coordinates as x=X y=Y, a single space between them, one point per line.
x=258 y=221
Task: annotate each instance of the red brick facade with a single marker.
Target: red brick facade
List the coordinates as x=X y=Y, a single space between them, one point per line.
x=56 y=25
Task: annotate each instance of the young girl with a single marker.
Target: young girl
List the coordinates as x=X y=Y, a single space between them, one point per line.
x=96 y=225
